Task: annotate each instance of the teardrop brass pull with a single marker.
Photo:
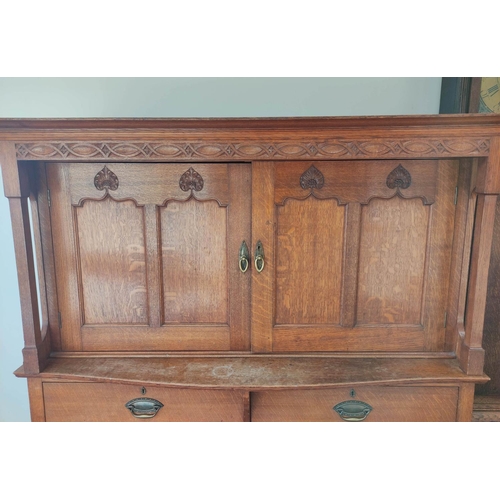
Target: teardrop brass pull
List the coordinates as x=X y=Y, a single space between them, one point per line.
x=244 y=258
x=259 y=257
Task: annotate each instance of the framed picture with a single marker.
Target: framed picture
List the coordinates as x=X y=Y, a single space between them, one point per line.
x=470 y=95
x=489 y=95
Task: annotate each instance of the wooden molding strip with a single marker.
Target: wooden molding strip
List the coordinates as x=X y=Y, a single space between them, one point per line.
x=256 y=150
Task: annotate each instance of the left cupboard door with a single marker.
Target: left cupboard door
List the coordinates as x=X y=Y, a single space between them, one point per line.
x=147 y=255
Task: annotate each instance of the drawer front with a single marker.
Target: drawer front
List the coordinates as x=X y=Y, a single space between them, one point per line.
x=388 y=404
x=99 y=402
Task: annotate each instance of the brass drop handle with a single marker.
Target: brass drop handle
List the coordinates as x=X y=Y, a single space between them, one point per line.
x=353 y=411
x=259 y=257
x=244 y=258
x=144 y=407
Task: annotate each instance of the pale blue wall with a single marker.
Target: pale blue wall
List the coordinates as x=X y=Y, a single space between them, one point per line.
x=175 y=97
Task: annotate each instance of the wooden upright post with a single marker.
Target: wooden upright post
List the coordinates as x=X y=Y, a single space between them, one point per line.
x=16 y=187
x=487 y=188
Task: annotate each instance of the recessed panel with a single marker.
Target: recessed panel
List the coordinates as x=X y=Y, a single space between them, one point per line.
x=310 y=238
x=194 y=262
x=392 y=261
x=112 y=262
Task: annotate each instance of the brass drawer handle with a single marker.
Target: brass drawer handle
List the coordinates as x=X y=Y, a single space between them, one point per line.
x=353 y=411
x=144 y=407
x=259 y=257
x=244 y=257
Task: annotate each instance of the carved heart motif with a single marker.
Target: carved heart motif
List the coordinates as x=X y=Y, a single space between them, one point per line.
x=312 y=178
x=191 y=180
x=399 y=178
x=106 y=179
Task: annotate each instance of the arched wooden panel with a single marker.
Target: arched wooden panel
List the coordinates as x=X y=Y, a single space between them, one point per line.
x=194 y=262
x=310 y=238
x=111 y=251
x=392 y=261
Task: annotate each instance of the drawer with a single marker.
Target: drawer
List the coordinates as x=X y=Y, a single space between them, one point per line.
x=388 y=404
x=101 y=402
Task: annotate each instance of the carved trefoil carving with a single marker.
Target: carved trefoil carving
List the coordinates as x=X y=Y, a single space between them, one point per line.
x=106 y=179
x=399 y=178
x=191 y=180
x=312 y=178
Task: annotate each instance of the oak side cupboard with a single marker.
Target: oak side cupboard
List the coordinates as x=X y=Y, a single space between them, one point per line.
x=291 y=269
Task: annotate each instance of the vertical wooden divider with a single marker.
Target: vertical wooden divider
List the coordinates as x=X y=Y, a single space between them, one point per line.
x=460 y=255
x=37 y=403
x=47 y=254
x=239 y=230
x=263 y=221
x=153 y=267
x=65 y=257
x=465 y=402
x=352 y=231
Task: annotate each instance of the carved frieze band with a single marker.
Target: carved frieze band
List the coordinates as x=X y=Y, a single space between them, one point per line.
x=253 y=150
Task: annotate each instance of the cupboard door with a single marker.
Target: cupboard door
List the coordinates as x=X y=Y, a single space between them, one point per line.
x=147 y=255
x=357 y=255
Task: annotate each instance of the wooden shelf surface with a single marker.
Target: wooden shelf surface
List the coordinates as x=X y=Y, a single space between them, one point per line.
x=255 y=372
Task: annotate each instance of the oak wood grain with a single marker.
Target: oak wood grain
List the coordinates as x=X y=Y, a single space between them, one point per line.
x=65 y=257
x=357 y=181
x=389 y=404
x=253 y=139
x=460 y=253
x=391 y=262
x=360 y=164
x=47 y=253
x=488 y=177
x=146 y=252
x=27 y=283
x=138 y=126
x=472 y=362
x=153 y=266
x=194 y=262
x=15 y=184
x=309 y=251
x=111 y=249
x=37 y=404
x=148 y=183
x=439 y=256
x=207 y=337
x=252 y=372
x=263 y=229
x=375 y=338
x=465 y=402
x=239 y=229
x=35 y=223
x=350 y=264
x=80 y=402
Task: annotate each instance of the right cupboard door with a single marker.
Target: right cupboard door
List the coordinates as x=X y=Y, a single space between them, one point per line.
x=357 y=255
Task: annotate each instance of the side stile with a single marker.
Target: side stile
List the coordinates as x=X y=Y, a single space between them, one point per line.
x=17 y=190
x=487 y=188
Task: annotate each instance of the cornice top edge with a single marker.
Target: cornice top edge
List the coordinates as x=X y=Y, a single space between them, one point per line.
x=268 y=123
